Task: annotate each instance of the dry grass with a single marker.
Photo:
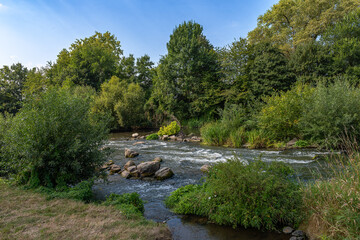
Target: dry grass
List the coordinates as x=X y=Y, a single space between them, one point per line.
x=333 y=205
x=28 y=215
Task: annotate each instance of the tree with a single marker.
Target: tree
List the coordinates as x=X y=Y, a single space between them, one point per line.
x=234 y=75
x=291 y=22
x=89 y=61
x=11 y=85
x=130 y=109
x=187 y=82
x=55 y=140
x=268 y=70
x=343 y=40
x=123 y=101
x=144 y=73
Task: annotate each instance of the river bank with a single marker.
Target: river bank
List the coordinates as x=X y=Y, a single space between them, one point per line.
x=25 y=214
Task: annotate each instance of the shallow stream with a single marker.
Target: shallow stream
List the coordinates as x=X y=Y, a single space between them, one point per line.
x=185 y=159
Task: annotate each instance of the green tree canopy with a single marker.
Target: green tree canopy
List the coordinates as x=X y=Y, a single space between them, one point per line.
x=11 y=85
x=291 y=22
x=89 y=61
x=187 y=77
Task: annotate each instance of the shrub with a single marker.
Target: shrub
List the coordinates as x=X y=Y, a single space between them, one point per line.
x=81 y=192
x=281 y=113
x=214 y=133
x=233 y=116
x=258 y=139
x=238 y=137
x=152 y=136
x=171 y=129
x=54 y=140
x=332 y=205
x=334 y=109
x=129 y=203
x=302 y=143
x=234 y=193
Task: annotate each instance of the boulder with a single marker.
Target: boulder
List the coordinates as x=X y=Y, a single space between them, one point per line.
x=135 y=135
x=292 y=142
x=298 y=233
x=130 y=153
x=172 y=138
x=163 y=173
x=288 y=230
x=125 y=174
x=165 y=137
x=142 y=137
x=157 y=159
x=147 y=169
x=205 y=168
x=115 y=169
x=129 y=164
x=133 y=171
x=137 y=143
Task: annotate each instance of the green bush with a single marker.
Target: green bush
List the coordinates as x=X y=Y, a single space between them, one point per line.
x=81 y=191
x=238 y=137
x=129 y=203
x=302 y=143
x=281 y=113
x=152 y=136
x=171 y=129
x=334 y=109
x=257 y=194
x=55 y=140
x=214 y=133
x=258 y=139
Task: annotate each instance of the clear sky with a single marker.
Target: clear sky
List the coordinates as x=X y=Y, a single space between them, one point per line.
x=33 y=32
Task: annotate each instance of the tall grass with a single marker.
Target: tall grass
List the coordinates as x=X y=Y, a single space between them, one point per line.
x=214 y=133
x=333 y=205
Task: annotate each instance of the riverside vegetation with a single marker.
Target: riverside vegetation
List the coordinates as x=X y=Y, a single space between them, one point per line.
x=289 y=79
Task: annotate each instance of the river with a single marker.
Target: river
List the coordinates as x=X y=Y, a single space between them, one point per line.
x=185 y=159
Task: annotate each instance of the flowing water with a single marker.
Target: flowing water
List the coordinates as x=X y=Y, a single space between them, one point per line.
x=185 y=159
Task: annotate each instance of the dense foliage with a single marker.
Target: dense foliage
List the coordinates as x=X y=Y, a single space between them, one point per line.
x=129 y=204
x=54 y=140
x=235 y=193
x=171 y=129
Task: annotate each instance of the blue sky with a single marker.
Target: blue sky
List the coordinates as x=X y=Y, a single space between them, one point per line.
x=33 y=32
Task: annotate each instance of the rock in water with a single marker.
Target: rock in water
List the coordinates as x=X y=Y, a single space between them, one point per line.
x=114 y=169
x=133 y=171
x=287 y=230
x=135 y=135
x=130 y=153
x=164 y=173
x=147 y=169
x=205 y=168
x=291 y=142
x=157 y=159
x=125 y=174
x=129 y=164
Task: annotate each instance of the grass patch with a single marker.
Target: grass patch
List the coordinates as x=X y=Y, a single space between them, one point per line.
x=26 y=214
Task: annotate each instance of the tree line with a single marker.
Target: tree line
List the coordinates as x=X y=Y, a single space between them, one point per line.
x=294 y=41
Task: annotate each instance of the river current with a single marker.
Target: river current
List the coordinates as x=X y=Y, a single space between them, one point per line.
x=186 y=159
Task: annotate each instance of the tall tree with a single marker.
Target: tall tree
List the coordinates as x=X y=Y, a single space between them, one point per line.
x=291 y=22
x=234 y=75
x=89 y=61
x=268 y=70
x=11 y=85
x=343 y=39
x=187 y=83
